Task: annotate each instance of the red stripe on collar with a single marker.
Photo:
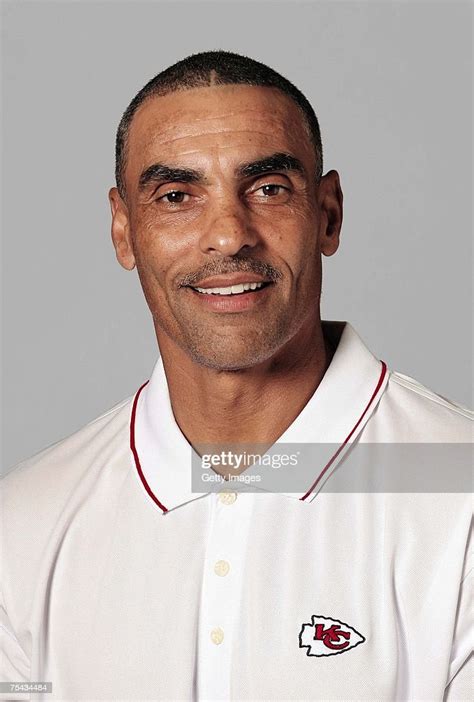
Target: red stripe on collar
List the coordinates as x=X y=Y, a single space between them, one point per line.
x=311 y=489
x=328 y=465
x=135 y=454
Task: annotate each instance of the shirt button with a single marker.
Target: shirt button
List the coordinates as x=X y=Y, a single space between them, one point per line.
x=217 y=635
x=227 y=498
x=221 y=568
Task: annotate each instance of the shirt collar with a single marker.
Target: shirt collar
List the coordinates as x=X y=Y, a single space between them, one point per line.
x=335 y=414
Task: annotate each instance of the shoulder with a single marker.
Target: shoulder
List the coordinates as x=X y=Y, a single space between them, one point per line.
x=67 y=485
x=417 y=413
x=41 y=484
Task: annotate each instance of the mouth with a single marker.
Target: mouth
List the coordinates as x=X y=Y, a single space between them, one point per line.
x=232 y=298
x=239 y=289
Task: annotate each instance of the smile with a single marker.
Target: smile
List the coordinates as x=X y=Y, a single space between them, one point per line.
x=231 y=289
x=231 y=299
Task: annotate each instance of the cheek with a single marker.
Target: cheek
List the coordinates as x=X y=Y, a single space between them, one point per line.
x=297 y=244
x=158 y=250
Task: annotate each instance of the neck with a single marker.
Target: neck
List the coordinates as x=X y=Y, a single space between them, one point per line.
x=254 y=405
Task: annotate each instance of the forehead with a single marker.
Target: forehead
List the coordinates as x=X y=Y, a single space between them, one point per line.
x=228 y=123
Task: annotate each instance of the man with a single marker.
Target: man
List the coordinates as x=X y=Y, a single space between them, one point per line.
x=123 y=581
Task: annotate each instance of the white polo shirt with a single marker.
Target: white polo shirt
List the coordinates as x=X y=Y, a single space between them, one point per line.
x=121 y=583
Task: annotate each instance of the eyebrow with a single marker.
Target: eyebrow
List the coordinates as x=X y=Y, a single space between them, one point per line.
x=161 y=173
x=275 y=162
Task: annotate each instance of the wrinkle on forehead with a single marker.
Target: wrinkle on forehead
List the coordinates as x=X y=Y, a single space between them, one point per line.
x=226 y=117
x=205 y=98
x=194 y=122
x=213 y=128
x=219 y=137
x=187 y=111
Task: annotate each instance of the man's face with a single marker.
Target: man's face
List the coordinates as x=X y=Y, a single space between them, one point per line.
x=221 y=192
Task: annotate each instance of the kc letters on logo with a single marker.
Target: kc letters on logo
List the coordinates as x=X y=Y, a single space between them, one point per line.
x=324 y=636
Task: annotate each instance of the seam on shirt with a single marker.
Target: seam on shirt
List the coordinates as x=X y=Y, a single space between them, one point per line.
x=437 y=399
x=10 y=634
x=409 y=652
x=467 y=575
x=115 y=408
x=461 y=667
x=14 y=638
x=400 y=604
x=465 y=662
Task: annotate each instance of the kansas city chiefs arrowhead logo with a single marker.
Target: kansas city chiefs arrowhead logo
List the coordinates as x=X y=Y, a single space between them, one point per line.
x=327 y=637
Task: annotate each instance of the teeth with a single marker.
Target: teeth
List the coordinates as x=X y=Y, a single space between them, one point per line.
x=231 y=290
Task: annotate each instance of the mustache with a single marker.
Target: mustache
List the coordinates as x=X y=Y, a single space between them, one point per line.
x=231 y=265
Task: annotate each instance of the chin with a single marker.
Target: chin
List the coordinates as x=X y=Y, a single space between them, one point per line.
x=230 y=360
x=235 y=348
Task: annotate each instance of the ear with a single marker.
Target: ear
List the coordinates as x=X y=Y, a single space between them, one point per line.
x=121 y=230
x=330 y=203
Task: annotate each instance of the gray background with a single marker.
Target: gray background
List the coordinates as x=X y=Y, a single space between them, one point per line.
x=391 y=84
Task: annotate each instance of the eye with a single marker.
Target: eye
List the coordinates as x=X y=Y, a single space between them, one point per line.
x=173 y=197
x=272 y=189
x=271 y=193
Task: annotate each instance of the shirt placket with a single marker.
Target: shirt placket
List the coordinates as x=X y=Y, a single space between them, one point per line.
x=221 y=592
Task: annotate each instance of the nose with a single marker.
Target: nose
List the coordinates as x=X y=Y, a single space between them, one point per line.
x=228 y=229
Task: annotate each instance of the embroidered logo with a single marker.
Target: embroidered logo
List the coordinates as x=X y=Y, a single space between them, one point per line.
x=327 y=637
